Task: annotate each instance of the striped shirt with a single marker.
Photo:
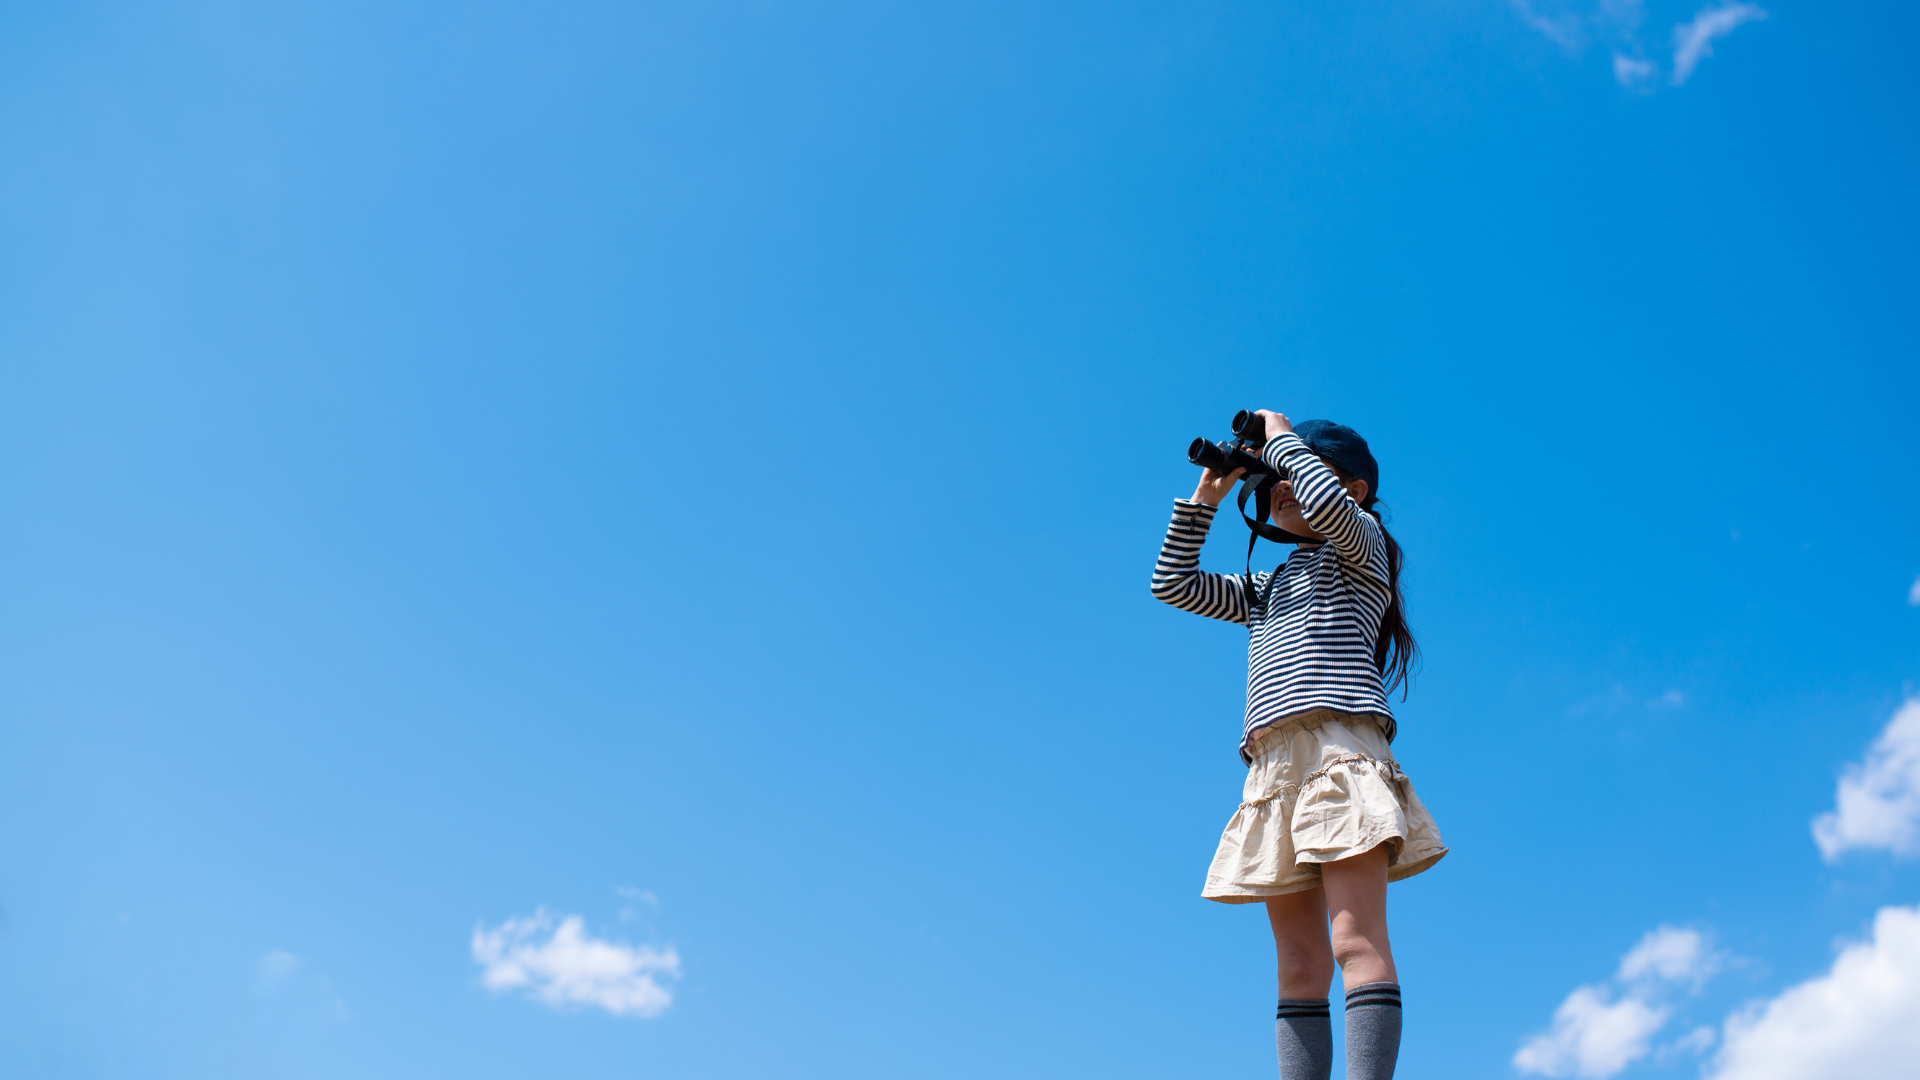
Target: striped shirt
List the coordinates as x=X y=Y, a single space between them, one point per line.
x=1311 y=634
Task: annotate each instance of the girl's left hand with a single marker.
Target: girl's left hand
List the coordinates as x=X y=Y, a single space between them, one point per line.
x=1277 y=425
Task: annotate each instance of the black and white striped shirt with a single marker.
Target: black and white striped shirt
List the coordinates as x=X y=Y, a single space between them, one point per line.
x=1311 y=635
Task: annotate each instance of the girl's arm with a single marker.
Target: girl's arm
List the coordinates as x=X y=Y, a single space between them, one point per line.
x=1177 y=577
x=1325 y=504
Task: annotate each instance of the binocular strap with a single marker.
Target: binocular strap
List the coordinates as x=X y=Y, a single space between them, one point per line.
x=1262 y=493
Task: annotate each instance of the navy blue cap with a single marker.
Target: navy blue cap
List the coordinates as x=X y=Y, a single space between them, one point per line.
x=1344 y=447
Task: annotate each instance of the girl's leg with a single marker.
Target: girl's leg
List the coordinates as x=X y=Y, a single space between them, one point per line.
x=1302 y=1030
x=1356 y=899
x=1300 y=943
x=1356 y=903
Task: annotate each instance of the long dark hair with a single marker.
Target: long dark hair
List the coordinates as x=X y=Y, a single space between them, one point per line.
x=1395 y=654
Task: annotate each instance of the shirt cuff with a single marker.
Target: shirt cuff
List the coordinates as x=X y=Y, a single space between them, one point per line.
x=1195 y=508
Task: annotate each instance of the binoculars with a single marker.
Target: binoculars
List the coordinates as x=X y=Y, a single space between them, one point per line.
x=1249 y=435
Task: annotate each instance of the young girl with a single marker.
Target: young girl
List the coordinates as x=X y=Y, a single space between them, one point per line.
x=1326 y=818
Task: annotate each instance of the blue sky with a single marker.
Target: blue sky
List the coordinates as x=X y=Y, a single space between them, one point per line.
x=695 y=468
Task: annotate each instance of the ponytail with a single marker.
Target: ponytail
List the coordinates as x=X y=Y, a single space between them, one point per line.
x=1395 y=654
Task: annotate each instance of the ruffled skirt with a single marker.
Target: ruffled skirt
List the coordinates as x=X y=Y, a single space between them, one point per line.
x=1322 y=787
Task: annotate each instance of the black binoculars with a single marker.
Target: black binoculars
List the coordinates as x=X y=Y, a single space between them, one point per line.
x=1250 y=434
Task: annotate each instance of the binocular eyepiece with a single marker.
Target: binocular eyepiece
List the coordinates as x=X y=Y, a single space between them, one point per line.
x=1250 y=434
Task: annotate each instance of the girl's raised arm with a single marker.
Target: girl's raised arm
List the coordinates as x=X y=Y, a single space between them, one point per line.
x=1325 y=504
x=1177 y=577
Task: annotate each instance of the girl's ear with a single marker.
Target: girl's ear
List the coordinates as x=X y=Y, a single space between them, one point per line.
x=1358 y=489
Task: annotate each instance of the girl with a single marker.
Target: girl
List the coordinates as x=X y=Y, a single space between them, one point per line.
x=1327 y=818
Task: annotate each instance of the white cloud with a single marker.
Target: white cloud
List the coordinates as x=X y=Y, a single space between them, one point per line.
x=1913 y=594
x=1570 y=23
x=1592 y=1036
x=1877 y=804
x=1861 y=1020
x=1693 y=41
x=1560 y=26
x=1574 y=24
x=1633 y=73
x=1697 y=1041
x=1672 y=954
x=556 y=962
x=1595 y=1034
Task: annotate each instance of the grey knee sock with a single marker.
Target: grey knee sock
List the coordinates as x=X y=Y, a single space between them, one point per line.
x=1303 y=1035
x=1373 y=1031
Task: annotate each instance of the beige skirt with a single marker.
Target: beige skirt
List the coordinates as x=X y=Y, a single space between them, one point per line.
x=1322 y=787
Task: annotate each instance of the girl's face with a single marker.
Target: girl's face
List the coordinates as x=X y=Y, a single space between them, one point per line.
x=1286 y=509
x=1286 y=512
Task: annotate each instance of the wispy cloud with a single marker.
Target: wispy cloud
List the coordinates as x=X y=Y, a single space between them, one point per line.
x=1571 y=24
x=1913 y=593
x=1670 y=954
x=1877 y=803
x=1693 y=41
x=1576 y=24
x=272 y=971
x=1860 y=1020
x=633 y=899
x=1634 y=73
x=289 y=992
x=557 y=963
x=1601 y=1029
x=1697 y=1041
x=1562 y=27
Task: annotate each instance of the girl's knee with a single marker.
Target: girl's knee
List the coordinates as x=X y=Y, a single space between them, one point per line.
x=1353 y=943
x=1301 y=966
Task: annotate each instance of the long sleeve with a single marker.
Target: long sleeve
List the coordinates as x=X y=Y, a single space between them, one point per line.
x=1177 y=577
x=1352 y=532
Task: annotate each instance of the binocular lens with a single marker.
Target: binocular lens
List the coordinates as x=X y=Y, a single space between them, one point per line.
x=1248 y=425
x=1202 y=452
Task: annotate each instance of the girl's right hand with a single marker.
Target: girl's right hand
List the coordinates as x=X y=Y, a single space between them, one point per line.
x=1214 y=487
